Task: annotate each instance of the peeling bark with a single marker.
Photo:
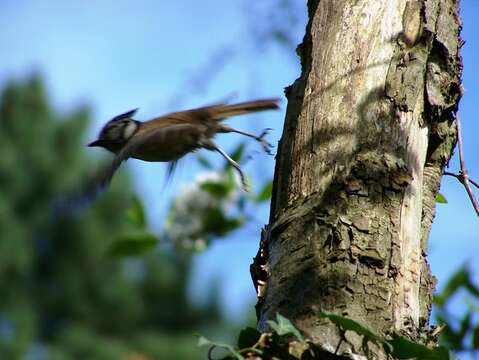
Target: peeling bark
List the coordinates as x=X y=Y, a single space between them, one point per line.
x=368 y=130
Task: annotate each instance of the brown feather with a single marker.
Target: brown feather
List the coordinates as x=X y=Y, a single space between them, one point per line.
x=213 y=113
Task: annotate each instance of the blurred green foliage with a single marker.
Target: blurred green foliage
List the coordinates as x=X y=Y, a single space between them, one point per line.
x=285 y=341
x=61 y=295
x=461 y=331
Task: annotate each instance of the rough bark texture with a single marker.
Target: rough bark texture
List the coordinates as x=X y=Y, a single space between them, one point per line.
x=369 y=128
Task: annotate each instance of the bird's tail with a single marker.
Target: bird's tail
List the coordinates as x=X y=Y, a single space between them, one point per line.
x=220 y=112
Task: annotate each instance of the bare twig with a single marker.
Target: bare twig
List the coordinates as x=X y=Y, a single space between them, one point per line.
x=459 y=177
x=474 y=183
x=463 y=175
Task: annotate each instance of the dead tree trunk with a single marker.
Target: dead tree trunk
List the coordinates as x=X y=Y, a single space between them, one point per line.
x=369 y=128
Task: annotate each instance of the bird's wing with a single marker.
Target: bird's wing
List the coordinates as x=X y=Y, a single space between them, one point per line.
x=91 y=188
x=159 y=134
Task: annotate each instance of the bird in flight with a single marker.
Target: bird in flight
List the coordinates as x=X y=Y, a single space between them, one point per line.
x=170 y=137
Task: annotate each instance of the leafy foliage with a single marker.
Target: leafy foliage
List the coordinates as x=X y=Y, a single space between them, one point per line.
x=283 y=327
x=208 y=209
x=202 y=341
x=137 y=240
x=348 y=324
x=211 y=207
x=461 y=332
x=398 y=347
x=62 y=296
x=252 y=343
x=286 y=342
x=136 y=214
x=134 y=244
x=403 y=348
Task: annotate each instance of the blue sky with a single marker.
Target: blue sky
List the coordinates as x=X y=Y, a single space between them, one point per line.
x=115 y=55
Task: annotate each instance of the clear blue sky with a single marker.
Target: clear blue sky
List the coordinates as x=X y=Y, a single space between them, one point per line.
x=116 y=55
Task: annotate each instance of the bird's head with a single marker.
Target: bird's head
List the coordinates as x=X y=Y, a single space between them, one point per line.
x=117 y=132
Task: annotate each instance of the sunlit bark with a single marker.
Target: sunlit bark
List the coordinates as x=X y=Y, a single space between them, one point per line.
x=368 y=130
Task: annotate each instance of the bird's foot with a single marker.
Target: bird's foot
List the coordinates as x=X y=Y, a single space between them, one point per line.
x=266 y=145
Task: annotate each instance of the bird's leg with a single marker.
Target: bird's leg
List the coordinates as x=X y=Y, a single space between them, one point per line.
x=260 y=138
x=234 y=164
x=210 y=145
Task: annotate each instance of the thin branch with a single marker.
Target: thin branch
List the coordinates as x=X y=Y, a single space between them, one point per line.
x=474 y=183
x=459 y=177
x=463 y=175
x=459 y=143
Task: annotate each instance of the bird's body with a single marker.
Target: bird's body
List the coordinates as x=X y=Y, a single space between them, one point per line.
x=169 y=148
x=168 y=138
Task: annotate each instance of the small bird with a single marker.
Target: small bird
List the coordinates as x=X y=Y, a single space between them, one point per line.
x=169 y=137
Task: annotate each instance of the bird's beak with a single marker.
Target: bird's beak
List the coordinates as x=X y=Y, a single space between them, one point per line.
x=96 y=143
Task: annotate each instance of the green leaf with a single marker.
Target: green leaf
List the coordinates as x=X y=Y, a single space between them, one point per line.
x=204 y=162
x=348 y=324
x=217 y=223
x=202 y=341
x=449 y=336
x=473 y=289
x=440 y=198
x=133 y=245
x=136 y=214
x=407 y=349
x=460 y=278
x=237 y=154
x=248 y=337
x=283 y=326
x=217 y=188
x=465 y=325
x=265 y=193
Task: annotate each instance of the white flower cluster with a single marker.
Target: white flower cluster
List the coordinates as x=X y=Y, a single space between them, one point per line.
x=185 y=223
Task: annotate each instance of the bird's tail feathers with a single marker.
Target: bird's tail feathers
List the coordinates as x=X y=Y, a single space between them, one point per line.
x=220 y=112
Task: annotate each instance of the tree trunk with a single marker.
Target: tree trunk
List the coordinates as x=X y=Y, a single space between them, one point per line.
x=369 y=127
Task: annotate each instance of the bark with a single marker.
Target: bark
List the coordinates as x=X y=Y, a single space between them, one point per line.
x=368 y=130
